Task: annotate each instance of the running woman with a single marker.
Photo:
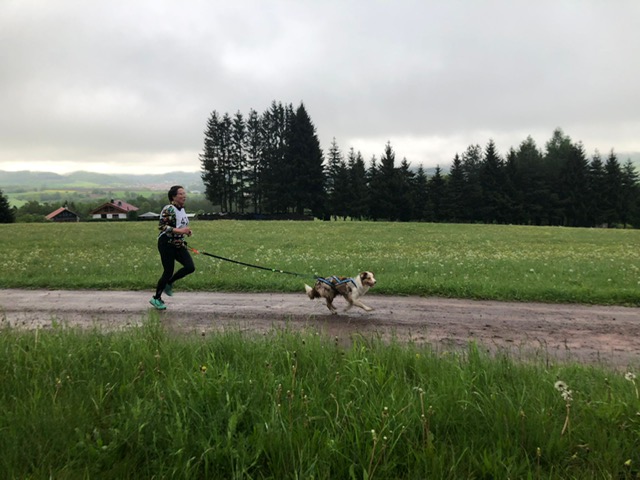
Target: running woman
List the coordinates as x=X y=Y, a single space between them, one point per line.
x=174 y=226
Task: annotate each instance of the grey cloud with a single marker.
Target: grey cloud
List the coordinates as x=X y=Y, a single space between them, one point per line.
x=91 y=80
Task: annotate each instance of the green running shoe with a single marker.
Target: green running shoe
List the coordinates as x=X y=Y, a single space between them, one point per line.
x=159 y=304
x=168 y=289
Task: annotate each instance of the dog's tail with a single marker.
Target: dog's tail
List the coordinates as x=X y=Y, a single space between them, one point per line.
x=311 y=293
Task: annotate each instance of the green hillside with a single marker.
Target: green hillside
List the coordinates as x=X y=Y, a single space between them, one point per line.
x=27 y=180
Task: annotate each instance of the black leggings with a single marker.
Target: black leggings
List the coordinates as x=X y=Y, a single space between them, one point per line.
x=169 y=255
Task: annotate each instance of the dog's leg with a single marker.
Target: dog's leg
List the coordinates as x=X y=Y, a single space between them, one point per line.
x=334 y=310
x=358 y=303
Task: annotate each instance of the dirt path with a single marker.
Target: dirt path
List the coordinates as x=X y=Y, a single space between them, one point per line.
x=592 y=334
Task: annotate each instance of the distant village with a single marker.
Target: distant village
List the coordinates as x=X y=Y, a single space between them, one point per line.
x=118 y=210
x=111 y=210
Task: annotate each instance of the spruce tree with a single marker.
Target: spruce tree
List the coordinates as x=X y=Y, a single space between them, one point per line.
x=513 y=213
x=471 y=164
x=612 y=197
x=226 y=162
x=305 y=160
x=211 y=159
x=387 y=187
x=630 y=196
x=530 y=182
x=337 y=183
x=456 y=191
x=574 y=192
x=558 y=151
x=342 y=194
x=7 y=214
x=494 y=203
x=597 y=188
x=277 y=176
x=253 y=148
x=437 y=195
x=407 y=192
x=421 y=195
x=357 y=207
x=238 y=161
x=373 y=180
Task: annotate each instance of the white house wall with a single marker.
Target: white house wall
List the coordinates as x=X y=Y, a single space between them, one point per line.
x=110 y=216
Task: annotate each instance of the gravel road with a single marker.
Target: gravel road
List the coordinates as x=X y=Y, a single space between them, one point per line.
x=590 y=334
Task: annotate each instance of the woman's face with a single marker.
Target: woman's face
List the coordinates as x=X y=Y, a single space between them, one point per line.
x=180 y=198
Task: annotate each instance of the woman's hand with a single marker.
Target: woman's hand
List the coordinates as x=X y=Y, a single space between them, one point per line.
x=184 y=231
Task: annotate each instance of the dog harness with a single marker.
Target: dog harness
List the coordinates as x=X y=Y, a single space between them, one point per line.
x=334 y=281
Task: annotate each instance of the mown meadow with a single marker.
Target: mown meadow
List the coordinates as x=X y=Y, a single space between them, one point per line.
x=143 y=403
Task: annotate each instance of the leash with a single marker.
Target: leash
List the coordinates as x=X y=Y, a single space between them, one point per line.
x=198 y=252
x=333 y=282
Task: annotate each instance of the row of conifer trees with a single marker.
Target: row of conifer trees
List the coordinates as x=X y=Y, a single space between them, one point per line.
x=273 y=163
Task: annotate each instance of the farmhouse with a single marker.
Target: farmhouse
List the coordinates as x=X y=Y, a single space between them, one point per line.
x=115 y=209
x=63 y=214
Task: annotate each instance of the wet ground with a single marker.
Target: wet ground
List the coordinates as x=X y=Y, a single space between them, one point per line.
x=590 y=334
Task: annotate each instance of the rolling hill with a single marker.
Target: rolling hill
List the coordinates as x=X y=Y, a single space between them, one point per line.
x=28 y=180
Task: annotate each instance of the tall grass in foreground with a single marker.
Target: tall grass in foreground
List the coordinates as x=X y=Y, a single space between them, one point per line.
x=501 y=262
x=145 y=404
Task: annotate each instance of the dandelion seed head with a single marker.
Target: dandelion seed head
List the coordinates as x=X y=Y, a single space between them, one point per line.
x=630 y=376
x=560 y=386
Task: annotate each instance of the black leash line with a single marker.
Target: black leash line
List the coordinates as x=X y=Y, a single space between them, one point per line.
x=198 y=252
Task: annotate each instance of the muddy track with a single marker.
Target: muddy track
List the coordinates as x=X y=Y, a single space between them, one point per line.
x=589 y=334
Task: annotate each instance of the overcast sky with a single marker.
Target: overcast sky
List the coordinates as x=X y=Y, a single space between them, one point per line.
x=128 y=86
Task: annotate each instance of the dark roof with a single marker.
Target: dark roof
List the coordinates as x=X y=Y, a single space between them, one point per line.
x=57 y=212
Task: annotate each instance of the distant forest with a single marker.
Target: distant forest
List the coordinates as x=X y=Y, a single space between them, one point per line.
x=272 y=163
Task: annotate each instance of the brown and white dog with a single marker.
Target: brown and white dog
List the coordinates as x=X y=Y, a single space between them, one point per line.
x=350 y=288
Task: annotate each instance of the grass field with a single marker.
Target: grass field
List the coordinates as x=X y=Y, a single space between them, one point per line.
x=465 y=261
x=141 y=403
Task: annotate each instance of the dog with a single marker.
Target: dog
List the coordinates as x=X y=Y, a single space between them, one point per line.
x=350 y=288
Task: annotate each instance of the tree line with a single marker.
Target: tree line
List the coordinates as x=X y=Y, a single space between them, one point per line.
x=273 y=163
